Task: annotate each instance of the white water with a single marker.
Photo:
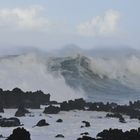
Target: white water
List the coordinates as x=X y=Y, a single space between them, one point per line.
x=126 y=70
x=70 y=127
x=30 y=72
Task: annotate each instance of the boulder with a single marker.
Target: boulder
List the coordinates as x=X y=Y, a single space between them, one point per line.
x=85 y=133
x=19 y=134
x=21 y=111
x=59 y=120
x=59 y=136
x=122 y=120
x=87 y=124
x=9 y=122
x=51 y=110
x=42 y=123
x=78 y=104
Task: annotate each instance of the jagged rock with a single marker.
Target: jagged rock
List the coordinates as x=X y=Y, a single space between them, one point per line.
x=87 y=124
x=1 y=109
x=122 y=120
x=127 y=110
x=115 y=115
x=42 y=123
x=1 y=136
x=21 y=111
x=9 y=122
x=99 y=106
x=85 y=133
x=19 y=134
x=86 y=138
x=59 y=120
x=115 y=134
x=28 y=99
x=111 y=134
x=59 y=136
x=51 y=110
x=71 y=105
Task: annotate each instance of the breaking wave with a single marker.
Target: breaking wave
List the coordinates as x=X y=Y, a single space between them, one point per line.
x=29 y=72
x=69 y=77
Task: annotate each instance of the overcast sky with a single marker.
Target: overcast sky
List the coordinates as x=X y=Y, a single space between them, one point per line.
x=51 y=24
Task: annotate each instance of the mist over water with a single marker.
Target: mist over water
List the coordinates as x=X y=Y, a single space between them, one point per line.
x=29 y=72
x=95 y=77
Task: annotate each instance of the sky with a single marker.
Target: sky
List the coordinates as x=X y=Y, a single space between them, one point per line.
x=52 y=24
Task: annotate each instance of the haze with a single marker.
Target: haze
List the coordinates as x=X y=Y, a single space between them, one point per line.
x=52 y=24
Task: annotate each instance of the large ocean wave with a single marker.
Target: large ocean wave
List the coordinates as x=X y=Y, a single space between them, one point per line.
x=93 y=78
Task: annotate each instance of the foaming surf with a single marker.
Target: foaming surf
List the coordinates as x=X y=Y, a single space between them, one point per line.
x=112 y=79
x=29 y=72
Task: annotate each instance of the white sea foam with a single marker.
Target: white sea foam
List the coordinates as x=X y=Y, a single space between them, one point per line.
x=125 y=70
x=31 y=71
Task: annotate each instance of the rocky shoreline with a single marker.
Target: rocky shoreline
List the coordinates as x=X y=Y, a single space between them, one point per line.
x=18 y=99
x=111 y=134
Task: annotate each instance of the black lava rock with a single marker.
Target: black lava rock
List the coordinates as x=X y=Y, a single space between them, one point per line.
x=59 y=120
x=85 y=133
x=19 y=134
x=59 y=136
x=21 y=111
x=87 y=124
x=9 y=122
x=51 y=110
x=42 y=123
x=86 y=138
x=1 y=109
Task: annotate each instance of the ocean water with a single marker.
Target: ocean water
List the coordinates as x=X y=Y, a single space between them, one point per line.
x=113 y=79
x=70 y=127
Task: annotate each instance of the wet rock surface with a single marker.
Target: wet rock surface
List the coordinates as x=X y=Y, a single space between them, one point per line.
x=9 y=122
x=19 y=134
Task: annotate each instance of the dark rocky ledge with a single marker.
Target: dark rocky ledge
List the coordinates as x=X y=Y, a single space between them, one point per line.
x=115 y=134
x=17 y=97
x=111 y=134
